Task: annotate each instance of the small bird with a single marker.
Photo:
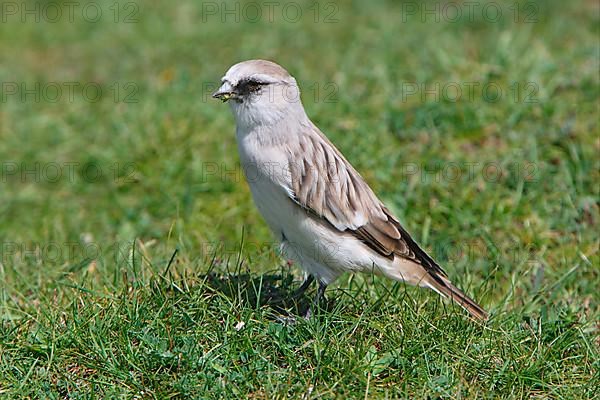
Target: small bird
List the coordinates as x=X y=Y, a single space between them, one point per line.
x=322 y=211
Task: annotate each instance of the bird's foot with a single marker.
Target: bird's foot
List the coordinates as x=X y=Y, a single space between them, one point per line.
x=317 y=301
x=304 y=287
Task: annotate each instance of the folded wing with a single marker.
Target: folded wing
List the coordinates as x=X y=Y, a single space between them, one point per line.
x=325 y=184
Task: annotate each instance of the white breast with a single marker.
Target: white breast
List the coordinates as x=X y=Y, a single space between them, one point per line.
x=320 y=249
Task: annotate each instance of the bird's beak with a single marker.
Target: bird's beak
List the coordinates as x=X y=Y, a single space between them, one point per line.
x=225 y=92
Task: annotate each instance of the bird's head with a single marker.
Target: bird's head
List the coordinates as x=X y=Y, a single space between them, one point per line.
x=260 y=93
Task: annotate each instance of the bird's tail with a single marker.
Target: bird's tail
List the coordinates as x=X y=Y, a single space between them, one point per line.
x=444 y=287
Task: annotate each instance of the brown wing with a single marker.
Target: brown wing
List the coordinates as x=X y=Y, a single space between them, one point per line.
x=325 y=184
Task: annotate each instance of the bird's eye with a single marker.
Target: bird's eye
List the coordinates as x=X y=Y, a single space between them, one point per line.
x=251 y=85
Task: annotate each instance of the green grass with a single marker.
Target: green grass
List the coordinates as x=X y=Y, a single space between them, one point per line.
x=93 y=303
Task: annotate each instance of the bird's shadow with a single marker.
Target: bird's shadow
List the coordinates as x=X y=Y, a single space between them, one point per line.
x=275 y=291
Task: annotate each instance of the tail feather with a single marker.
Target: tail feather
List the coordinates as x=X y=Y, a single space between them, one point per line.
x=444 y=287
x=435 y=279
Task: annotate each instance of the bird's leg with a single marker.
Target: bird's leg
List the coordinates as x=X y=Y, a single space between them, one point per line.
x=305 y=285
x=320 y=295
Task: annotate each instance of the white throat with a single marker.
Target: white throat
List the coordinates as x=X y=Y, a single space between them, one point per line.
x=277 y=104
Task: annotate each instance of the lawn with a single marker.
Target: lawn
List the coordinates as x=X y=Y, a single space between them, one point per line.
x=133 y=263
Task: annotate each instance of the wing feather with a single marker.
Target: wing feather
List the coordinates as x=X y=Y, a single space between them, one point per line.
x=325 y=184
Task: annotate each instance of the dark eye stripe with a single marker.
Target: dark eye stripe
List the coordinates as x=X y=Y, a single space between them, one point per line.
x=253 y=82
x=250 y=85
